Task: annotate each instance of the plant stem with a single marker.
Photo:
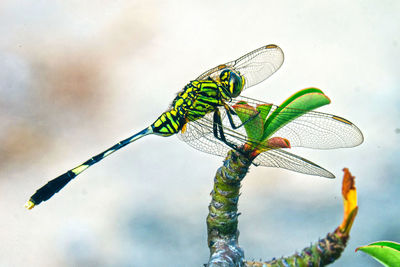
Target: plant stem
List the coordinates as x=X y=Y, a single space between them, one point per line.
x=322 y=253
x=222 y=219
x=222 y=222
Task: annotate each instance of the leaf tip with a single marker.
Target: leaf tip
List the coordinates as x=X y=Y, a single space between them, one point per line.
x=349 y=194
x=278 y=142
x=348 y=183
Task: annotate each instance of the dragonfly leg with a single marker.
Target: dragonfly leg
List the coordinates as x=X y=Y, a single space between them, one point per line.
x=230 y=112
x=218 y=129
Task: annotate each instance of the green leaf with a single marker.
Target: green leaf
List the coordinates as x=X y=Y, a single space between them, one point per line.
x=264 y=110
x=295 y=106
x=385 y=252
x=253 y=123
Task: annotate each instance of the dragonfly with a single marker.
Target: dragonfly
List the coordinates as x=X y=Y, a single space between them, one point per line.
x=203 y=116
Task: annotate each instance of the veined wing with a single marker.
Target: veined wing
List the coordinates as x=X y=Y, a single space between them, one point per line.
x=199 y=134
x=280 y=158
x=312 y=129
x=255 y=66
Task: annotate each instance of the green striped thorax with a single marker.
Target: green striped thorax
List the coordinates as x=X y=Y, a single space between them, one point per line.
x=197 y=99
x=232 y=84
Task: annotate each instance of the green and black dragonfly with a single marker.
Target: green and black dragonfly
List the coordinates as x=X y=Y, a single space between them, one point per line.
x=203 y=115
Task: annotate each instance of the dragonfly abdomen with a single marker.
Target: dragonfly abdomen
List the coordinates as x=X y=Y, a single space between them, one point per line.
x=172 y=121
x=169 y=123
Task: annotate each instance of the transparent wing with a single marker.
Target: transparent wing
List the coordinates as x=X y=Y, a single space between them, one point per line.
x=313 y=129
x=280 y=158
x=199 y=134
x=255 y=66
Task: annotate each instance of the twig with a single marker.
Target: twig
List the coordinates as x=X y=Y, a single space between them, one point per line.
x=222 y=222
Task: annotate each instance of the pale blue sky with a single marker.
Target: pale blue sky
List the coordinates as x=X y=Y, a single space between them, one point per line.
x=76 y=77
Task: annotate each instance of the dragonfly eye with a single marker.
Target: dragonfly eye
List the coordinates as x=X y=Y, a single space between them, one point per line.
x=232 y=82
x=236 y=83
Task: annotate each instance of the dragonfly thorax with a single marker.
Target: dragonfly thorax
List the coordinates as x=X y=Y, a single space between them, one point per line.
x=232 y=83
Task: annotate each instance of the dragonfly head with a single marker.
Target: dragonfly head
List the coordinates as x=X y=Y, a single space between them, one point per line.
x=232 y=82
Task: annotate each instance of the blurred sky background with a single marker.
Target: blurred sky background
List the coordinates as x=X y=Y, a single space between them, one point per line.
x=78 y=76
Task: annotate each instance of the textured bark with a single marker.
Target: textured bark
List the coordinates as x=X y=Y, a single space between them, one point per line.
x=222 y=219
x=322 y=253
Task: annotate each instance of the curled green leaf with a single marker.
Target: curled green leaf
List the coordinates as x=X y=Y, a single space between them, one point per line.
x=264 y=110
x=295 y=106
x=262 y=121
x=385 y=252
x=253 y=123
